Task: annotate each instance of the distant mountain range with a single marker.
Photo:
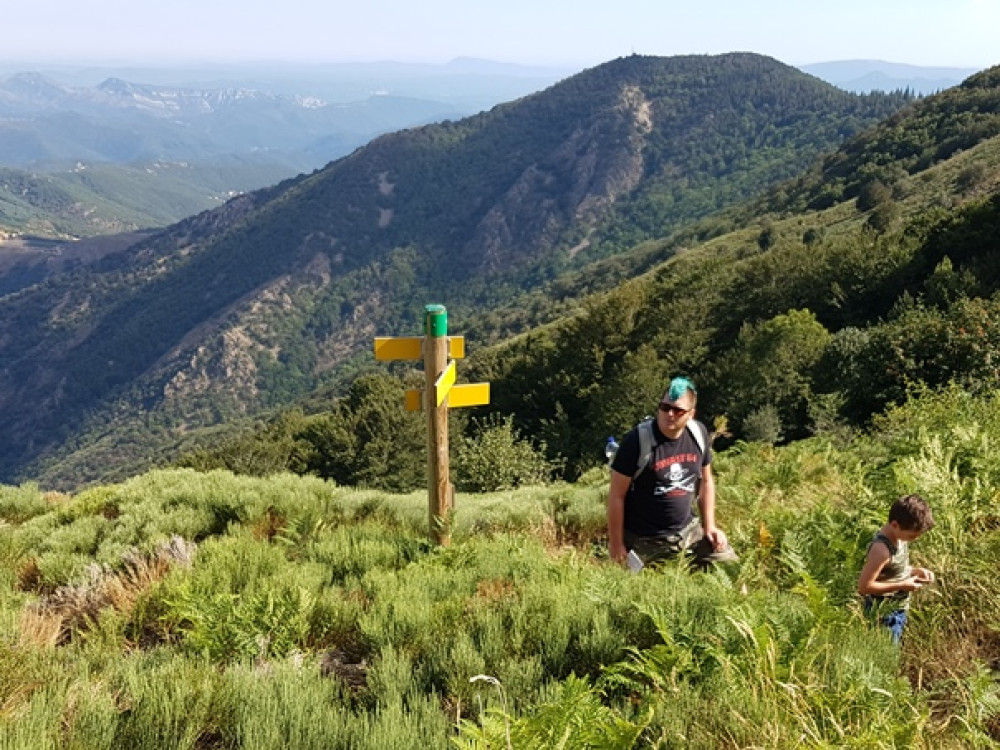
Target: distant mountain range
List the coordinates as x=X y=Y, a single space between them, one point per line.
x=103 y=153
x=864 y=76
x=465 y=84
x=44 y=124
x=116 y=155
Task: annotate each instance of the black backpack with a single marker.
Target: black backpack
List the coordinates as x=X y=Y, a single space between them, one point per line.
x=698 y=431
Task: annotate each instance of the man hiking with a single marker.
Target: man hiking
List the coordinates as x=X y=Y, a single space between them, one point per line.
x=662 y=466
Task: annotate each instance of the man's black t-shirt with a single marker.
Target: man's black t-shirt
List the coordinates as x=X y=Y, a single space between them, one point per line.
x=659 y=500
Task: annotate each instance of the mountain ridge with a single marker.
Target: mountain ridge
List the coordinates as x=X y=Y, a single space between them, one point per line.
x=869 y=75
x=294 y=280
x=60 y=125
x=143 y=122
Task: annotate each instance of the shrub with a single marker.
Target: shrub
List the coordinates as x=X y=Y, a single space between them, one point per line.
x=872 y=194
x=497 y=458
x=18 y=504
x=970 y=176
x=763 y=425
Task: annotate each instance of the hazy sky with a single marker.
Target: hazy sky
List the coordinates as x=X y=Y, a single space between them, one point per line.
x=962 y=33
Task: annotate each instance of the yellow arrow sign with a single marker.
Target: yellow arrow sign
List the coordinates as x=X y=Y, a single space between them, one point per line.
x=464 y=394
x=398 y=347
x=388 y=348
x=469 y=394
x=414 y=399
x=444 y=382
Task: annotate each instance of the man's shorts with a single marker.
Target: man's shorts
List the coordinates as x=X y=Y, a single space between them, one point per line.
x=690 y=541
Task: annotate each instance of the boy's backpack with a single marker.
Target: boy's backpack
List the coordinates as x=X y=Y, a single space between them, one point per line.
x=698 y=432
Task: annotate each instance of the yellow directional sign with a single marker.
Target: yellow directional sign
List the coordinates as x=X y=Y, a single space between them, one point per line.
x=389 y=348
x=438 y=351
x=414 y=399
x=399 y=347
x=462 y=394
x=444 y=382
x=469 y=394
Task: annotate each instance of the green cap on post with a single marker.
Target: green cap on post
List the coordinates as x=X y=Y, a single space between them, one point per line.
x=436 y=320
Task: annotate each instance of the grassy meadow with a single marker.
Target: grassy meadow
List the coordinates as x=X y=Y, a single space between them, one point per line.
x=189 y=610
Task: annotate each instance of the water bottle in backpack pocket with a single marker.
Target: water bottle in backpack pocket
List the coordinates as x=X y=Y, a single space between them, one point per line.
x=610 y=449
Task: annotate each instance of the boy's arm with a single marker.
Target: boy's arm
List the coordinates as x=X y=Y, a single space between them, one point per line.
x=878 y=556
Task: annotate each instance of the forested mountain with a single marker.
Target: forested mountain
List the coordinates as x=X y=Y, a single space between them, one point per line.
x=904 y=144
x=821 y=304
x=811 y=309
x=261 y=301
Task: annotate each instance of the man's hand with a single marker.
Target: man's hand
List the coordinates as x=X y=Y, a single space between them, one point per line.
x=717 y=537
x=618 y=553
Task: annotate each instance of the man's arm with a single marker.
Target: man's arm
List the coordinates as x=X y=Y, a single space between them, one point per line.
x=706 y=509
x=616 y=515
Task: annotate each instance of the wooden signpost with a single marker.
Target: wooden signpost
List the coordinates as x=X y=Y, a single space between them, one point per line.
x=439 y=352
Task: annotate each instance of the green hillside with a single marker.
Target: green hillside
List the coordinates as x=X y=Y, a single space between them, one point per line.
x=789 y=322
x=906 y=144
x=275 y=586
x=277 y=294
x=795 y=323
x=795 y=320
x=206 y=610
x=798 y=334
x=106 y=199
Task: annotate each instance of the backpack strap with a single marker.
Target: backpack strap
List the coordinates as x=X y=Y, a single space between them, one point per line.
x=646 y=446
x=698 y=432
x=645 y=428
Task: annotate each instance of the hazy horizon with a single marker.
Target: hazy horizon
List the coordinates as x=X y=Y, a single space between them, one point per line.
x=926 y=33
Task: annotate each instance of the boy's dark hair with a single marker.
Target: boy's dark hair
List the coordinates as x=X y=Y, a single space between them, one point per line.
x=912 y=513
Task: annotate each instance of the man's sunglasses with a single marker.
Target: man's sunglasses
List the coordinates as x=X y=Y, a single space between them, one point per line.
x=673 y=411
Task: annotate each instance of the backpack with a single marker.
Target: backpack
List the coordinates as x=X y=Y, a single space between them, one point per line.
x=698 y=432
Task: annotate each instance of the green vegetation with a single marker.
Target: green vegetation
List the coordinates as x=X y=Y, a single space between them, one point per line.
x=270 y=590
x=798 y=335
x=107 y=199
x=368 y=440
x=258 y=304
x=211 y=610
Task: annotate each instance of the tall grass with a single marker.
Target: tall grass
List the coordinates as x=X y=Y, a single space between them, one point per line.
x=308 y=615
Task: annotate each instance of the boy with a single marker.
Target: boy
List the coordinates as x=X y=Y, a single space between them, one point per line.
x=887 y=579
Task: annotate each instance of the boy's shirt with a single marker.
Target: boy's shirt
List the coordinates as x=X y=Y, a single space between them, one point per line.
x=896 y=569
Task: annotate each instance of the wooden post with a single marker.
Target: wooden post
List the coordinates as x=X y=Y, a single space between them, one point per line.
x=439 y=352
x=440 y=490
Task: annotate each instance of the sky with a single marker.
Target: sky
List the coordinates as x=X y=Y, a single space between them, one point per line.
x=953 y=33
